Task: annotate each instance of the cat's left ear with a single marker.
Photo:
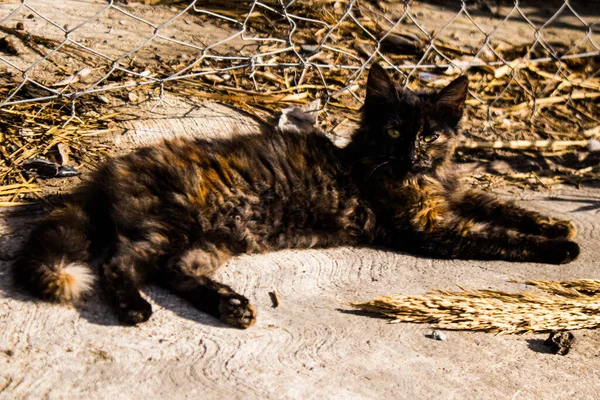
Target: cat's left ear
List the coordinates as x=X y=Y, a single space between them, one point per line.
x=453 y=96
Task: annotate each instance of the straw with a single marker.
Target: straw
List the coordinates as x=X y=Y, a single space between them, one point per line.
x=564 y=306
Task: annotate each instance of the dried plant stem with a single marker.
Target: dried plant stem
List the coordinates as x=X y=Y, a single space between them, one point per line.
x=524 y=144
x=593 y=132
x=15 y=203
x=576 y=95
x=567 y=305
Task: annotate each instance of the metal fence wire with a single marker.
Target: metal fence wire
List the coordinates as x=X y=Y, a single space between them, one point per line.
x=533 y=66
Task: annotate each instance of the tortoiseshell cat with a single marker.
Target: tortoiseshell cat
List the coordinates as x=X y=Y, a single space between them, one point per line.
x=174 y=213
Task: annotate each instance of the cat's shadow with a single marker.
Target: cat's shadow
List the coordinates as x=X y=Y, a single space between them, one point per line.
x=96 y=311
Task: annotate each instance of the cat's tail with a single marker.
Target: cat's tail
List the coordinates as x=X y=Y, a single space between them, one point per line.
x=53 y=263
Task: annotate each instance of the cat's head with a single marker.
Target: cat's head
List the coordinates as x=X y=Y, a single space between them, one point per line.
x=411 y=131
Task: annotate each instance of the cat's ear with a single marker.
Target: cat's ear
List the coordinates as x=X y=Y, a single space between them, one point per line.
x=454 y=95
x=380 y=87
x=451 y=100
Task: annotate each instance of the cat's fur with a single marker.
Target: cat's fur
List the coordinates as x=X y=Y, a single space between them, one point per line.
x=174 y=213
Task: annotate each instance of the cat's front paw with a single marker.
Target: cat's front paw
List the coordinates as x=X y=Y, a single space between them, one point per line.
x=558 y=229
x=134 y=311
x=237 y=312
x=559 y=251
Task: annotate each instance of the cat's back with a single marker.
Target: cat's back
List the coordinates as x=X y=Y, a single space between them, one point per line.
x=266 y=160
x=265 y=191
x=291 y=170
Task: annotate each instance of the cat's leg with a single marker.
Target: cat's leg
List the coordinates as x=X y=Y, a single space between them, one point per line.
x=120 y=282
x=190 y=276
x=485 y=207
x=465 y=239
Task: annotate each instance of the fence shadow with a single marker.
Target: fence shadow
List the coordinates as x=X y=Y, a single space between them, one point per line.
x=512 y=165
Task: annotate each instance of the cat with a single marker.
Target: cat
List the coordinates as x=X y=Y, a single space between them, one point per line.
x=174 y=213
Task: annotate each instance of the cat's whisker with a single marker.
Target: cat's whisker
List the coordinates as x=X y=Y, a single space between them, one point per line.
x=362 y=160
x=376 y=168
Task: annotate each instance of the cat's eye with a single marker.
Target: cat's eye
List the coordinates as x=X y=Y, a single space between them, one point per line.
x=429 y=138
x=393 y=133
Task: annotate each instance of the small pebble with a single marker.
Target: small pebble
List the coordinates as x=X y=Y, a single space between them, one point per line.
x=438 y=335
x=560 y=342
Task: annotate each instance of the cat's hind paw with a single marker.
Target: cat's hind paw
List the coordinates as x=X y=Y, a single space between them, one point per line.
x=560 y=252
x=237 y=312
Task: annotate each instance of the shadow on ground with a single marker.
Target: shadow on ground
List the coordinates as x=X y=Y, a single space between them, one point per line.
x=510 y=165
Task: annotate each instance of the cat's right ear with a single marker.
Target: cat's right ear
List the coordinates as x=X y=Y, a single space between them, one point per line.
x=380 y=88
x=451 y=99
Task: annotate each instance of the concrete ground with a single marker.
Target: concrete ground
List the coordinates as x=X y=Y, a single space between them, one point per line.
x=309 y=346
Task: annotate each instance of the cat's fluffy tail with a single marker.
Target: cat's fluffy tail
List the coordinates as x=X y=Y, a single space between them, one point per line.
x=53 y=263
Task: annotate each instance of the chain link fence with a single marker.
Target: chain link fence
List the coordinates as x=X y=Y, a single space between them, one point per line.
x=533 y=66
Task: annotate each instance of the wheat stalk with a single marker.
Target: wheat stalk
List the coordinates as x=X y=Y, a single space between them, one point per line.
x=565 y=306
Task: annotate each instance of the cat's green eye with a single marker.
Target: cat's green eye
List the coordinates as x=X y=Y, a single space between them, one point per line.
x=429 y=138
x=393 y=133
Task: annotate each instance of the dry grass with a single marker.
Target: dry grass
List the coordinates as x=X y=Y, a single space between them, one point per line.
x=563 y=306
x=523 y=102
x=47 y=131
x=558 y=102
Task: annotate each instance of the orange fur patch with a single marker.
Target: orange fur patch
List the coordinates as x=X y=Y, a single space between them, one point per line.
x=430 y=203
x=572 y=231
x=429 y=213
